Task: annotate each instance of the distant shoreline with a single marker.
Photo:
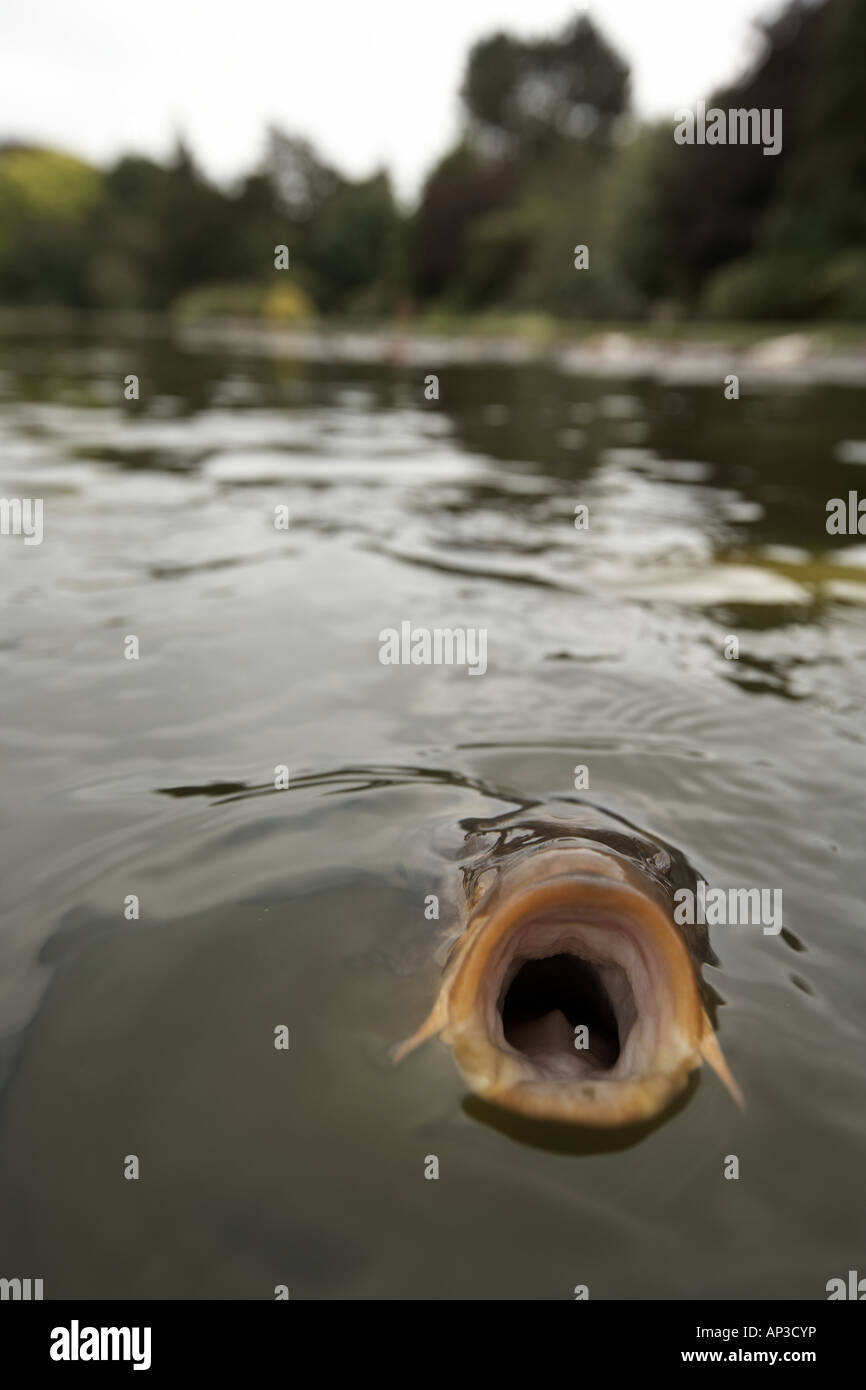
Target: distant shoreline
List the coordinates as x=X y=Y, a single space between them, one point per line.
x=682 y=353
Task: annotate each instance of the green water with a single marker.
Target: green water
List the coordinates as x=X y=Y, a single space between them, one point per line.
x=305 y=907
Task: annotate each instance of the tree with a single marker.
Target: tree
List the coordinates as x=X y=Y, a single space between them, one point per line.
x=530 y=96
x=462 y=189
x=706 y=206
x=805 y=254
x=46 y=200
x=821 y=204
x=353 y=247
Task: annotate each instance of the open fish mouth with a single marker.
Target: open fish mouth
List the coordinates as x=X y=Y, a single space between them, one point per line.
x=572 y=995
x=549 y=1000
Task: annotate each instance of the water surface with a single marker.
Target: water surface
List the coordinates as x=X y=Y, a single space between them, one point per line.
x=305 y=907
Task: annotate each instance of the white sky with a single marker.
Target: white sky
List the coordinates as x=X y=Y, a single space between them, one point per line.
x=370 y=82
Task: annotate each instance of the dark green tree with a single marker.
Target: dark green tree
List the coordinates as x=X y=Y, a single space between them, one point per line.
x=530 y=96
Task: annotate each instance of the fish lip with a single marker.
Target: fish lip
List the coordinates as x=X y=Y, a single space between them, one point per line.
x=611 y=918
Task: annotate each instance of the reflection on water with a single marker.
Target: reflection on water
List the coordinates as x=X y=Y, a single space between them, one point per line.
x=578 y=1141
x=258 y=907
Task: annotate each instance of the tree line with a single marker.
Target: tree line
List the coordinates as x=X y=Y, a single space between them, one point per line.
x=549 y=155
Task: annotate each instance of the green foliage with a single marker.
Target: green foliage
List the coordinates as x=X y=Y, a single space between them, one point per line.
x=844 y=281
x=46 y=199
x=534 y=96
x=821 y=201
x=635 y=222
x=808 y=259
x=460 y=193
x=781 y=285
x=560 y=209
x=775 y=286
x=499 y=216
x=543 y=164
x=354 y=247
x=159 y=231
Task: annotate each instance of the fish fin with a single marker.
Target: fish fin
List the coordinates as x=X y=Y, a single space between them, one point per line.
x=433 y=1024
x=712 y=1053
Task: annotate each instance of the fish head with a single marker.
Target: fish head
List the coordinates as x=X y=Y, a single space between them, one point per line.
x=570 y=993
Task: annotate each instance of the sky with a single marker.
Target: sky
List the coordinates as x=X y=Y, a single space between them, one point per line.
x=371 y=84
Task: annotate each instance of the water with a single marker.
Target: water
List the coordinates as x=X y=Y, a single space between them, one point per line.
x=305 y=908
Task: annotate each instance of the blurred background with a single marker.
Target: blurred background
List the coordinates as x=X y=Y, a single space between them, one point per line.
x=533 y=139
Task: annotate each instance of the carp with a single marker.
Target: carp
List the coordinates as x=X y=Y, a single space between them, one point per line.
x=569 y=992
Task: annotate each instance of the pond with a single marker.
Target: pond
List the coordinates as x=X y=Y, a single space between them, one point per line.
x=223 y=814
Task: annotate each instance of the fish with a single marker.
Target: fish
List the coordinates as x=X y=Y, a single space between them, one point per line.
x=569 y=992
